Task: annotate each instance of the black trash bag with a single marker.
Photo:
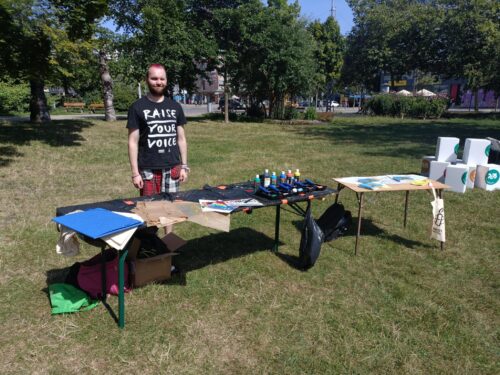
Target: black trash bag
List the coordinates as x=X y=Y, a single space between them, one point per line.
x=335 y=221
x=494 y=156
x=310 y=242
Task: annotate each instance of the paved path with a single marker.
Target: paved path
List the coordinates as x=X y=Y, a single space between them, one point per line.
x=194 y=110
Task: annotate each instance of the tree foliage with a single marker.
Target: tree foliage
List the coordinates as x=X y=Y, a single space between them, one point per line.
x=450 y=38
x=51 y=39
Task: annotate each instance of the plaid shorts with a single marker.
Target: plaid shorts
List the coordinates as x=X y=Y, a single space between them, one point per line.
x=158 y=181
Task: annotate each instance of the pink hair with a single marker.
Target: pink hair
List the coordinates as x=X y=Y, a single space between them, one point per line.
x=156 y=66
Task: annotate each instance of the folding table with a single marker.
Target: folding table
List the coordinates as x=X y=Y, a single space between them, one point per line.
x=221 y=192
x=406 y=187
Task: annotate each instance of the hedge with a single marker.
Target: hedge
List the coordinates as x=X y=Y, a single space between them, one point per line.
x=406 y=106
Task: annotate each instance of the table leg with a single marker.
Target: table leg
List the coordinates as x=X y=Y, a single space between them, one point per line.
x=339 y=187
x=277 y=228
x=406 y=206
x=360 y=206
x=440 y=195
x=121 y=287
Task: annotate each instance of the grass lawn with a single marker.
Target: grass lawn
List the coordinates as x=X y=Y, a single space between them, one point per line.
x=400 y=307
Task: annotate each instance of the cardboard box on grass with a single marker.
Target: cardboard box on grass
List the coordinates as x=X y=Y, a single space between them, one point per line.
x=488 y=177
x=447 y=148
x=476 y=151
x=456 y=177
x=437 y=170
x=426 y=165
x=157 y=268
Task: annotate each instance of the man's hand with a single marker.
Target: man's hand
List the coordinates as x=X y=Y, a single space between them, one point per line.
x=137 y=181
x=183 y=175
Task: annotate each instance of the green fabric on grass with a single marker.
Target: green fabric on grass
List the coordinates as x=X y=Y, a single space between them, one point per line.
x=66 y=298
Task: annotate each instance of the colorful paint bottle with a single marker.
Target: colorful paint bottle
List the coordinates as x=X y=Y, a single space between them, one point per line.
x=274 y=179
x=256 y=183
x=297 y=175
x=282 y=177
x=289 y=177
x=267 y=178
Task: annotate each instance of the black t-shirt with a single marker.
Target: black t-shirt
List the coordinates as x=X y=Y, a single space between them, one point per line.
x=157 y=124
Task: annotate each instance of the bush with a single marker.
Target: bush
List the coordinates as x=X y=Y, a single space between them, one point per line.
x=401 y=106
x=123 y=96
x=14 y=98
x=291 y=113
x=256 y=110
x=310 y=113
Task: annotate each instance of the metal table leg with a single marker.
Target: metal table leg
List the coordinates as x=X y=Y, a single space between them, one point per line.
x=360 y=206
x=440 y=195
x=406 y=206
x=121 y=286
x=277 y=228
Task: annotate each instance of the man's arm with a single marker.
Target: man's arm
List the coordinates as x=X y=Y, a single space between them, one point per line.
x=182 y=142
x=133 y=152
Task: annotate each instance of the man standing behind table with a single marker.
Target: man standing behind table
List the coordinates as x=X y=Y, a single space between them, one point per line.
x=157 y=145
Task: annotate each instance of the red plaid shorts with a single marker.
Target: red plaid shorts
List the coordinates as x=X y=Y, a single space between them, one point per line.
x=158 y=181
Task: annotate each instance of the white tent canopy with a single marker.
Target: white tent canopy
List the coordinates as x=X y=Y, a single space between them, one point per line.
x=425 y=92
x=403 y=93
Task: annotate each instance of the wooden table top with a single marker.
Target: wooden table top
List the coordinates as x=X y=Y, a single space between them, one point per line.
x=392 y=187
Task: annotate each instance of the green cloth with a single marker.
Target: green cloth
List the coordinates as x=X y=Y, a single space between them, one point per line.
x=65 y=298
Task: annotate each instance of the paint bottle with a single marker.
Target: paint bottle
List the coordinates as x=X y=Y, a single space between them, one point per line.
x=297 y=175
x=256 y=183
x=282 y=177
x=274 y=179
x=289 y=177
x=267 y=178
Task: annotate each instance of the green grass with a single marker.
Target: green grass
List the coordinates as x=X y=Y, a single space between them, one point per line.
x=400 y=307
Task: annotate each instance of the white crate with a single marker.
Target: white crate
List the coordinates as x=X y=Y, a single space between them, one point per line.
x=456 y=177
x=488 y=177
x=476 y=151
x=437 y=170
x=447 y=148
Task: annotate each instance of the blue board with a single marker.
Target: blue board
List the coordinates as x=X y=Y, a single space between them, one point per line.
x=97 y=222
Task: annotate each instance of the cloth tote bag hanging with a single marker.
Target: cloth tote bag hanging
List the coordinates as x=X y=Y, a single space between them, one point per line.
x=438 y=223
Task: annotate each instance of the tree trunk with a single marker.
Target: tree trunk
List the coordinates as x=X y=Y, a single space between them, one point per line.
x=107 y=88
x=476 y=100
x=38 y=103
x=226 y=98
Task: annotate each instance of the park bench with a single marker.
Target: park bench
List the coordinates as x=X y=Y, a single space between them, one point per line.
x=94 y=106
x=76 y=105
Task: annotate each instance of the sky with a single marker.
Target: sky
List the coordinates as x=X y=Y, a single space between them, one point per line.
x=320 y=9
x=312 y=10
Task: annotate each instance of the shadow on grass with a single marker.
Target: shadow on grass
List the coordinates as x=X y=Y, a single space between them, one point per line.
x=57 y=133
x=221 y=247
x=409 y=138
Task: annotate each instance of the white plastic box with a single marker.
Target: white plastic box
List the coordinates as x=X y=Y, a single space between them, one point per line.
x=488 y=177
x=456 y=177
x=447 y=148
x=471 y=176
x=426 y=165
x=476 y=151
x=437 y=170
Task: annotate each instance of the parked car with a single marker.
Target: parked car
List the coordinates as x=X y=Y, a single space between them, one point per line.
x=233 y=105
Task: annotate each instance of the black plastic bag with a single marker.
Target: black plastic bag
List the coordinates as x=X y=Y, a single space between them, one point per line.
x=335 y=221
x=310 y=242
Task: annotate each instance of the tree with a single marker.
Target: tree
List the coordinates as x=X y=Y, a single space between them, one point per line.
x=275 y=58
x=49 y=35
x=329 y=52
x=162 y=31
x=471 y=33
